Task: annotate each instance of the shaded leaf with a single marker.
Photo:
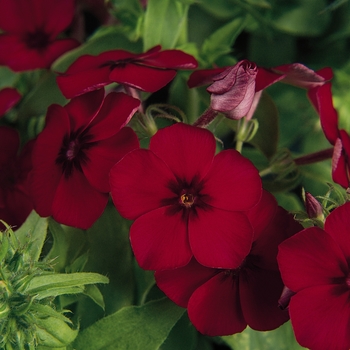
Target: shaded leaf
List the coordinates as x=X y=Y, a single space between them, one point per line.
x=134 y=327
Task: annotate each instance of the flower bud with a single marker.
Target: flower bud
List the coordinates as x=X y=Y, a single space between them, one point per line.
x=313 y=207
x=233 y=90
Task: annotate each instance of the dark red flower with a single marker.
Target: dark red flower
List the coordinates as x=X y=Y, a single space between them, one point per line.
x=30 y=31
x=321 y=98
x=148 y=71
x=8 y=98
x=315 y=264
x=72 y=156
x=15 y=202
x=185 y=201
x=236 y=90
x=224 y=301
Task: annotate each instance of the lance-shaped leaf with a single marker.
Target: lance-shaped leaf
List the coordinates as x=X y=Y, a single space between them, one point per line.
x=58 y=284
x=134 y=327
x=33 y=230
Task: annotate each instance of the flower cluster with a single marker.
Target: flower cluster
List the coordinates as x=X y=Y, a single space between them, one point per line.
x=203 y=221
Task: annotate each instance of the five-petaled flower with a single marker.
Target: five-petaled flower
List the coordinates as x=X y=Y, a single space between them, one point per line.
x=15 y=201
x=149 y=71
x=315 y=264
x=31 y=27
x=72 y=156
x=185 y=200
x=224 y=301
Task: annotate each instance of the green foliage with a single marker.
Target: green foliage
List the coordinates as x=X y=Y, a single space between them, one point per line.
x=281 y=339
x=135 y=327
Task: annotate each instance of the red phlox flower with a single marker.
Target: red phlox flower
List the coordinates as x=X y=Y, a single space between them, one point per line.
x=236 y=90
x=321 y=98
x=8 y=98
x=72 y=156
x=225 y=301
x=149 y=71
x=315 y=264
x=30 y=33
x=185 y=201
x=15 y=202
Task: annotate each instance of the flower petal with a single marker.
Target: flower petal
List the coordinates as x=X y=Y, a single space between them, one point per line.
x=337 y=226
x=72 y=85
x=320 y=317
x=46 y=174
x=321 y=99
x=105 y=154
x=9 y=145
x=265 y=247
x=339 y=165
x=215 y=309
x=302 y=262
x=187 y=150
x=299 y=75
x=159 y=239
x=233 y=183
x=76 y=202
x=219 y=238
x=116 y=111
x=142 y=77
x=259 y=291
x=140 y=183
x=179 y=284
x=8 y=98
x=203 y=76
x=262 y=213
x=83 y=109
x=175 y=59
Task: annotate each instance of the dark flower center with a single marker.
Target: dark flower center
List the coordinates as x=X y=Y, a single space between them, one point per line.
x=37 y=40
x=187 y=200
x=73 y=151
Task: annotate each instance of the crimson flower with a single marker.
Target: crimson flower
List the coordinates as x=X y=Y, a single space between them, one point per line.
x=321 y=98
x=236 y=90
x=8 y=98
x=74 y=153
x=149 y=71
x=30 y=30
x=185 y=201
x=225 y=301
x=15 y=202
x=315 y=264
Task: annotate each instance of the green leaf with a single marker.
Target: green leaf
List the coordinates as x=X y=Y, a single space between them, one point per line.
x=43 y=284
x=34 y=229
x=134 y=327
x=281 y=339
x=221 y=9
x=95 y=294
x=220 y=42
x=104 y=39
x=301 y=17
x=165 y=20
x=68 y=245
x=266 y=138
x=53 y=332
x=43 y=94
x=110 y=255
x=182 y=336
